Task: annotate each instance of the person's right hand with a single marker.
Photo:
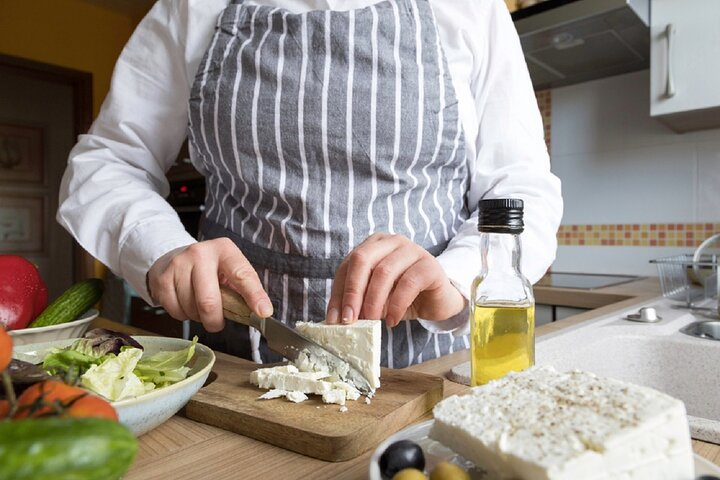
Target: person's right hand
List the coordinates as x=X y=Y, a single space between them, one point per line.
x=186 y=282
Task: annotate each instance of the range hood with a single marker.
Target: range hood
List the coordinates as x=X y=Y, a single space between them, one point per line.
x=573 y=41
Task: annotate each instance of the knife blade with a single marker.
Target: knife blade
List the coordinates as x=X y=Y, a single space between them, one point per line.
x=289 y=343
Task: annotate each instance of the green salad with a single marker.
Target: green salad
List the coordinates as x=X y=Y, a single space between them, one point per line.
x=113 y=365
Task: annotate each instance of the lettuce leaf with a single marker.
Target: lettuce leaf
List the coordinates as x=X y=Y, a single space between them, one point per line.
x=100 y=342
x=164 y=368
x=113 y=367
x=93 y=349
x=114 y=378
x=68 y=363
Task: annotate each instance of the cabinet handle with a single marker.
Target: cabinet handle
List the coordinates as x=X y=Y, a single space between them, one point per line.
x=670 y=82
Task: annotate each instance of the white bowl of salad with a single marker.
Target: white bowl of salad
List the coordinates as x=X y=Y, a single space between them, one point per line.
x=147 y=379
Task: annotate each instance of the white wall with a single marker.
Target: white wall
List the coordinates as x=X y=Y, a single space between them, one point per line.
x=618 y=165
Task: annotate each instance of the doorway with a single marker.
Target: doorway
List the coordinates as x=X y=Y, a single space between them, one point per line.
x=43 y=108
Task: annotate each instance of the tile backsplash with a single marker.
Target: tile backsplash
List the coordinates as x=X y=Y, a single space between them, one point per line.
x=637 y=235
x=633 y=189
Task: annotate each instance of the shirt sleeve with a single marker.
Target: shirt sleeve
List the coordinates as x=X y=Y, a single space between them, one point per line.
x=512 y=158
x=112 y=195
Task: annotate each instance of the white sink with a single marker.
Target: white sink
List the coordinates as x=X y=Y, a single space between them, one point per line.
x=653 y=354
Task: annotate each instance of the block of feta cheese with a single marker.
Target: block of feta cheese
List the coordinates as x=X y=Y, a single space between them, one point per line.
x=541 y=424
x=358 y=343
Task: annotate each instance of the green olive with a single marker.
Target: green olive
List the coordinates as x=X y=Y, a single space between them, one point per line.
x=409 y=474
x=448 y=471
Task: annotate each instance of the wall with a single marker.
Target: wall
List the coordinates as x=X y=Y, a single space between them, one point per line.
x=69 y=33
x=633 y=189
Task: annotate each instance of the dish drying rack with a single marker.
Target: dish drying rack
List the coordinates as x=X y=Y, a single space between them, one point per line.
x=689 y=281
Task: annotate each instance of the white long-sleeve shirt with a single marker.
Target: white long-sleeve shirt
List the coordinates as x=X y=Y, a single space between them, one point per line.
x=112 y=193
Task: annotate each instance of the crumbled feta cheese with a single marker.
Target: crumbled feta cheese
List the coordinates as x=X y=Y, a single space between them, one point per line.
x=296 y=397
x=274 y=393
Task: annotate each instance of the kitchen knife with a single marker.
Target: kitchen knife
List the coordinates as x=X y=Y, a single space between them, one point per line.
x=288 y=342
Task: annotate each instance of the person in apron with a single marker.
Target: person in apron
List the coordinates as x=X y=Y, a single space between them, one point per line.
x=334 y=153
x=349 y=127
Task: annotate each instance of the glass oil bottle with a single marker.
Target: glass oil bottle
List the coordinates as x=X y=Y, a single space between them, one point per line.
x=502 y=310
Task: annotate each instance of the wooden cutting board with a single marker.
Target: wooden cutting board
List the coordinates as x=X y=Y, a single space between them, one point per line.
x=312 y=428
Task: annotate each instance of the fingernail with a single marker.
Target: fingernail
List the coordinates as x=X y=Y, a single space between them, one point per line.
x=347 y=315
x=265 y=308
x=332 y=316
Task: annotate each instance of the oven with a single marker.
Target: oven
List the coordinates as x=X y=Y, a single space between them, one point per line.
x=187 y=197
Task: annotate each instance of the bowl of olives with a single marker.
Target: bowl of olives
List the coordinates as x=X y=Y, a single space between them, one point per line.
x=411 y=455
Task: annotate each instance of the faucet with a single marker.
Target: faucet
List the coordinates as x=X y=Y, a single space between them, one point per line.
x=714 y=262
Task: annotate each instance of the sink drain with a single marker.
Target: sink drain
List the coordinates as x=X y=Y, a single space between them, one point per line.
x=709 y=330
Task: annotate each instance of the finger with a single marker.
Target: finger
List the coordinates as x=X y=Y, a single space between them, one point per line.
x=243 y=278
x=383 y=279
x=415 y=279
x=165 y=293
x=332 y=316
x=336 y=296
x=361 y=262
x=186 y=295
x=207 y=295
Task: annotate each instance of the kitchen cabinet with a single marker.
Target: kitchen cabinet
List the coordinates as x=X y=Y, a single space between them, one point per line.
x=685 y=63
x=550 y=313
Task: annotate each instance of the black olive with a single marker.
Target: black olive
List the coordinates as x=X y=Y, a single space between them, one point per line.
x=707 y=477
x=399 y=455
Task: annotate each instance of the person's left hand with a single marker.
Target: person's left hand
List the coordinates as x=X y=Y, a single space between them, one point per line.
x=392 y=278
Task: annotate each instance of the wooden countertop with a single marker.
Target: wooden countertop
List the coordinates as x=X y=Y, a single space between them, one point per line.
x=183 y=449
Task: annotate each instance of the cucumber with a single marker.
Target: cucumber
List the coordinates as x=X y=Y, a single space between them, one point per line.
x=71 y=303
x=65 y=449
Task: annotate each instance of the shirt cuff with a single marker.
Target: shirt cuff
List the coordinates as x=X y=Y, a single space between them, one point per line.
x=458 y=325
x=143 y=246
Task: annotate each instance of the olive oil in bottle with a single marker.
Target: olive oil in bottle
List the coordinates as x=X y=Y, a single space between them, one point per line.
x=503 y=340
x=502 y=305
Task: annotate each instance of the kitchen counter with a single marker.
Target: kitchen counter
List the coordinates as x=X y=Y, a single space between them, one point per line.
x=184 y=449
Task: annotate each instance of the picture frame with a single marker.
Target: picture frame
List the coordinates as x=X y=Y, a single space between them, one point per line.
x=22 y=223
x=21 y=154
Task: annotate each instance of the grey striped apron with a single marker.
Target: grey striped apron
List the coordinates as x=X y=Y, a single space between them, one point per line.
x=315 y=130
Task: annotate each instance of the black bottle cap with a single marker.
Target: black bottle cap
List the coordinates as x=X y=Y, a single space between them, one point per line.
x=500 y=215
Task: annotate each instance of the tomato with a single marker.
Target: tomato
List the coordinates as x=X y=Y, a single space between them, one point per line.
x=23 y=293
x=4 y=408
x=55 y=398
x=91 y=406
x=5 y=349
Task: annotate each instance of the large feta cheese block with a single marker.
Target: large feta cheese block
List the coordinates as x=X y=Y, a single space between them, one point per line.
x=540 y=424
x=358 y=343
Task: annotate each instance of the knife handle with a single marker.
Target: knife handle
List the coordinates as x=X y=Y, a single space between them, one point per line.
x=234 y=306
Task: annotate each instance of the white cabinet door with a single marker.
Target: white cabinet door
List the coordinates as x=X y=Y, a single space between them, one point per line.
x=685 y=63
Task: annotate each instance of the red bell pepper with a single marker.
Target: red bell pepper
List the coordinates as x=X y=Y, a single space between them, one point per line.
x=23 y=294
